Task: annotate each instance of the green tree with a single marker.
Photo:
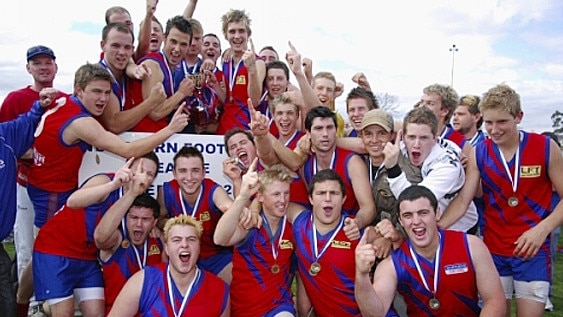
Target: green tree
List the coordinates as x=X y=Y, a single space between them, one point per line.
x=557 y=118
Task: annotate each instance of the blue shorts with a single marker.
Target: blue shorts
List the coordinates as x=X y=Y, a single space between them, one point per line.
x=46 y=204
x=57 y=276
x=216 y=263
x=537 y=268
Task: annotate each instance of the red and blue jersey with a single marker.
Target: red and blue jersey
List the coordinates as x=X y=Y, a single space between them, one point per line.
x=235 y=111
x=135 y=98
x=503 y=223
x=331 y=291
x=450 y=134
x=123 y=264
x=255 y=289
x=340 y=166
x=55 y=163
x=70 y=232
x=457 y=285
x=207 y=213
x=208 y=297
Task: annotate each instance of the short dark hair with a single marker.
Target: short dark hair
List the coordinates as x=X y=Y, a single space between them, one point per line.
x=187 y=152
x=415 y=192
x=234 y=131
x=421 y=115
x=181 y=24
x=362 y=93
x=278 y=65
x=319 y=112
x=326 y=175
x=147 y=201
x=153 y=157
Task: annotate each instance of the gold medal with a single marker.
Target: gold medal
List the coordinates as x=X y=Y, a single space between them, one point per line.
x=275 y=269
x=314 y=269
x=434 y=303
x=513 y=201
x=125 y=243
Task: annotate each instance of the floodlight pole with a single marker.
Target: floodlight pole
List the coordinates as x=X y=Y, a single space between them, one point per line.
x=453 y=49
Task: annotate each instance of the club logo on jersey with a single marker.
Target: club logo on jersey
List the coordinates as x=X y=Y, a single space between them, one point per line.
x=286 y=244
x=154 y=249
x=241 y=80
x=205 y=216
x=456 y=268
x=341 y=244
x=530 y=171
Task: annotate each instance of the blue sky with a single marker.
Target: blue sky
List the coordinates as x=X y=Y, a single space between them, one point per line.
x=402 y=46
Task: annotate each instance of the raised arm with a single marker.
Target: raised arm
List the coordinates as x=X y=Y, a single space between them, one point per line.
x=144 y=39
x=97 y=188
x=190 y=9
x=373 y=300
x=358 y=172
x=227 y=231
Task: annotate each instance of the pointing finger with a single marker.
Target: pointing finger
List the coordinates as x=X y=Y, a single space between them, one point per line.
x=291 y=46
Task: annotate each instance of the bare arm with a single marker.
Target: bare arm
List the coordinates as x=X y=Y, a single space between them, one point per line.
x=90 y=131
x=127 y=302
x=256 y=73
x=118 y=121
x=227 y=231
x=530 y=241
x=190 y=9
x=362 y=189
x=95 y=190
x=351 y=144
x=458 y=206
x=292 y=159
x=163 y=211
x=488 y=280
x=145 y=30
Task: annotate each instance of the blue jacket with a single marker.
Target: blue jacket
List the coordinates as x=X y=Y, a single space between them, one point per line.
x=16 y=137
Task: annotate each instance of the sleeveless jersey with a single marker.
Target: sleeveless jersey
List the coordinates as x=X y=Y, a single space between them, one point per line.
x=235 y=111
x=503 y=223
x=207 y=298
x=450 y=134
x=341 y=158
x=331 y=291
x=70 y=232
x=206 y=212
x=457 y=287
x=16 y=103
x=56 y=164
x=255 y=289
x=123 y=264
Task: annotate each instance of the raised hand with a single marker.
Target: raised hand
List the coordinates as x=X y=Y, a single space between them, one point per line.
x=186 y=87
x=361 y=79
x=250 y=181
x=140 y=180
x=351 y=229
x=294 y=59
x=365 y=251
x=391 y=151
x=249 y=57
x=180 y=119
x=258 y=122
x=124 y=174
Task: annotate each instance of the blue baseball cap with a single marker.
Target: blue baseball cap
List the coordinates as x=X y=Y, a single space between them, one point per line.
x=39 y=50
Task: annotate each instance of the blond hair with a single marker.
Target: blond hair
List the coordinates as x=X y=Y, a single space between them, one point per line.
x=276 y=172
x=182 y=220
x=501 y=97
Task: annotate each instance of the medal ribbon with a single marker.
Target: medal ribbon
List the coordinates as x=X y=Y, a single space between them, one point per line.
x=196 y=205
x=436 y=266
x=171 y=292
x=233 y=73
x=327 y=244
x=315 y=168
x=115 y=86
x=371 y=176
x=275 y=251
x=513 y=179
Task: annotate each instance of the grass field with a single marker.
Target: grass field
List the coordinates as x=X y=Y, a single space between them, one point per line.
x=556 y=299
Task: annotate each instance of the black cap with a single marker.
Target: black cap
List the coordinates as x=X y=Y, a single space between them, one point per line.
x=39 y=50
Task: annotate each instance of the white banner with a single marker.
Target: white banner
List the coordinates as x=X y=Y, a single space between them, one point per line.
x=211 y=146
